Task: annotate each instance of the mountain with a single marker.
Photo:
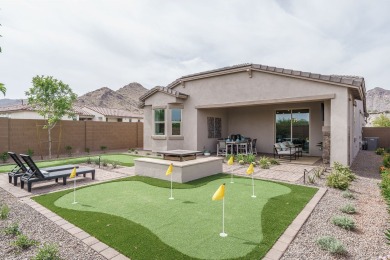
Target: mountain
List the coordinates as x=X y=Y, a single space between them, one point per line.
x=125 y=98
x=10 y=102
x=378 y=100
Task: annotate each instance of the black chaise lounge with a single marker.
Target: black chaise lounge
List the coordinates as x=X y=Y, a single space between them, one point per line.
x=36 y=175
x=21 y=169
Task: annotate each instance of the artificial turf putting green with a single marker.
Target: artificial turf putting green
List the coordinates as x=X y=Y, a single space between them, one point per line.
x=154 y=227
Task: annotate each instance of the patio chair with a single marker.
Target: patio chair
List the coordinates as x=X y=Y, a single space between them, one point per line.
x=281 y=150
x=296 y=147
x=21 y=169
x=221 y=148
x=36 y=175
x=253 y=146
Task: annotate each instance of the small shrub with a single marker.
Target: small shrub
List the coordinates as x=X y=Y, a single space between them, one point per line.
x=348 y=195
x=239 y=157
x=241 y=162
x=96 y=161
x=47 y=252
x=68 y=149
x=345 y=170
x=4 y=211
x=4 y=157
x=136 y=152
x=131 y=150
x=23 y=242
x=89 y=161
x=148 y=154
x=103 y=148
x=13 y=229
x=331 y=245
x=337 y=180
x=386 y=160
x=344 y=222
x=349 y=209
x=30 y=152
x=264 y=162
x=274 y=162
x=311 y=178
x=114 y=164
x=380 y=151
x=87 y=150
x=250 y=158
x=104 y=163
x=319 y=171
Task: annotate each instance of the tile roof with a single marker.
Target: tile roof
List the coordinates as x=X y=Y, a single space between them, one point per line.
x=114 y=112
x=165 y=90
x=79 y=110
x=17 y=108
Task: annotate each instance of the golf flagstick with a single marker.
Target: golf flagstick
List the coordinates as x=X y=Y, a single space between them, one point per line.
x=169 y=172
x=230 y=162
x=220 y=195
x=73 y=175
x=251 y=170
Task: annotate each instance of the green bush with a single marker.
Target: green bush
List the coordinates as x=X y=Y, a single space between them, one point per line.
x=239 y=157
x=264 y=162
x=97 y=161
x=274 y=162
x=89 y=161
x=23 y=242
x=345 y=170
x=331 y=245
x=104 y=162
x=103 y=148
x=348 y=195
x=30 y=152
x=13 y=229
x=386 y=160
x=68 y=149
x=47 y=252
x=4 y=157
x=4 y=211
x=380 y=151
x=87 y=150
x=348 y=208
x=241 y=162
x=337 y=180
x=114 y=164
x=250 y=158
x=344 y=222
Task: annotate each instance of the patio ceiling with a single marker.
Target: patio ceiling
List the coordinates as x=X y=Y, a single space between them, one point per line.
x=268 y=101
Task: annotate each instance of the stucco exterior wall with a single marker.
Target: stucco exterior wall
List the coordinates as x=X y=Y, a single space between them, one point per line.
x=237 y=92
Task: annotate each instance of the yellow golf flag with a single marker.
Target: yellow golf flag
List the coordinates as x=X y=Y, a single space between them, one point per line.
x=73 y=174
x=220 y=193
x=230 y=162
x=250 y=169
x=169 y=171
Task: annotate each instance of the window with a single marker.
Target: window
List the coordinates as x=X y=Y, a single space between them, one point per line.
x=176 y=121
x=214 y=125
x=159 y=121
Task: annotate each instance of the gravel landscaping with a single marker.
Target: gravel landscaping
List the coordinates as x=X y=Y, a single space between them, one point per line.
x=367 y=241
x=38 y=227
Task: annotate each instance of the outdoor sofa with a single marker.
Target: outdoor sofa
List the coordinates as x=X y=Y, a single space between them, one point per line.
x=36 y=175
x=280 y=149
x=21 y=169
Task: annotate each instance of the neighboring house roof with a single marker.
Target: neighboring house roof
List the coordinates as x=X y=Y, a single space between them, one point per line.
x=15 y=108
x=79 y=110
x=113 y=112
x=356 y=83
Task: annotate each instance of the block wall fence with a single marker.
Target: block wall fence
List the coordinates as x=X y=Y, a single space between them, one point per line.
x=19 y=135
x=382 y=132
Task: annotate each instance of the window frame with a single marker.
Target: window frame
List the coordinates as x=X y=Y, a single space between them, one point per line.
x=176 y=122
x=159 y=122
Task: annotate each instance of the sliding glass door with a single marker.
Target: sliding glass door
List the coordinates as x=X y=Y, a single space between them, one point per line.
x=293 y=125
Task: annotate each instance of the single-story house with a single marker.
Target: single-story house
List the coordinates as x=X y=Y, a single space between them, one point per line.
x=325 y=113
x=24 y=111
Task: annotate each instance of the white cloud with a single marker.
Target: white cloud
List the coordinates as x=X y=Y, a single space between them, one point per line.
x=89 y=44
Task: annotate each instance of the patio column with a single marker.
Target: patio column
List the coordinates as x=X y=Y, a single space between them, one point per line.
x=326 y=133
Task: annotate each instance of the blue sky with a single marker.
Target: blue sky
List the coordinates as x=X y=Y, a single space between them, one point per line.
x=91 y=44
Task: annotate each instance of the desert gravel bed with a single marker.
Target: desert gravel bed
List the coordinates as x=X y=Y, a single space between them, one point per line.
x=368 y=240
x=38 y=227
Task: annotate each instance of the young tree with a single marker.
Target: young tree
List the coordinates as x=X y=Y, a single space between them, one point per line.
x=2 y=88
x=381 y=121
x=52 y=99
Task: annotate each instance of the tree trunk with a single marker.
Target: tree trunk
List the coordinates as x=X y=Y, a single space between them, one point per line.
x=49 y=132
